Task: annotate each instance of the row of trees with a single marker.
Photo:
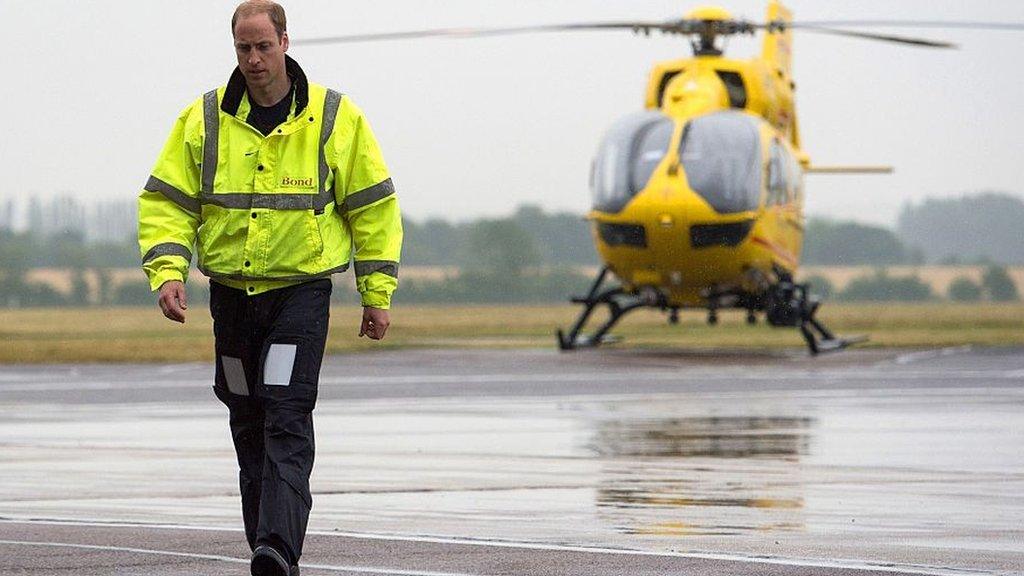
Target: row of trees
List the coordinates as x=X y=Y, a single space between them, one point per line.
x=979 y=227
x=530 y=237
x=529 y=256
x=974 y=229
x=829 y=243
x=971 y=229
x=996 y=286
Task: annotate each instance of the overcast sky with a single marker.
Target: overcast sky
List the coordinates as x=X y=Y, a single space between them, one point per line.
x=477 y=127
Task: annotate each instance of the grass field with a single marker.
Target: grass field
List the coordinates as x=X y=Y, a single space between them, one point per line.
x=143 y=335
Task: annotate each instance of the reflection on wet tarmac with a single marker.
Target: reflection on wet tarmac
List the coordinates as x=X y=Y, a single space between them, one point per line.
x=662 y=479
x=627 y=498
x=684 y=529
x=714 y=437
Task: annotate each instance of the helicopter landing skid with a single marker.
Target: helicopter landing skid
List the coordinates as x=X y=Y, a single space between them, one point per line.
x=786 y=304
x=791 y=304
x=819 y=339
x=619 y=304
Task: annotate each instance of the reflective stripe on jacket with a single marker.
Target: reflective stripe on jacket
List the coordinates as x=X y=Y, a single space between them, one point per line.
x=269 y=211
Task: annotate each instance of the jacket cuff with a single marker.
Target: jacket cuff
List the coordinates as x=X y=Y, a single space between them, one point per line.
x=158 y=279
x=377 y=299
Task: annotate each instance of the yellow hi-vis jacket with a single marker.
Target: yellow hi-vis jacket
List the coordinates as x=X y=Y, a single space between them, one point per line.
x=270 y=211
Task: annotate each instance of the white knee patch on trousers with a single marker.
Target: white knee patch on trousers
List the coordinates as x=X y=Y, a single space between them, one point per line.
x=234 y=373
x=277 y=368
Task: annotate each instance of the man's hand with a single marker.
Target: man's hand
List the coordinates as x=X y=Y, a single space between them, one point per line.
x=375 y=323
x=172 y=300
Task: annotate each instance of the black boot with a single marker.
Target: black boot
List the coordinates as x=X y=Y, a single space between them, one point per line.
x=268 y=562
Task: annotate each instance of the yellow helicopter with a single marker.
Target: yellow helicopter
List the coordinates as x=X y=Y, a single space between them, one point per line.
x=698 y=198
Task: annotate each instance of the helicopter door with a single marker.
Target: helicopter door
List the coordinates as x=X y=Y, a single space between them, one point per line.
x=630 y=152
x=721 y=156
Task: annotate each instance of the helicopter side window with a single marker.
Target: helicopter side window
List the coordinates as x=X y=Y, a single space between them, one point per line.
x=721 y=155
x=631 y=151
x=779 y=176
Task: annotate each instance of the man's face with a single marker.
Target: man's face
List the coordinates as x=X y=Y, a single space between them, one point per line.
x=260 y=52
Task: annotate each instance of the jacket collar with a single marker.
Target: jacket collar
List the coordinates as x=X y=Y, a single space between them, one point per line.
x=236 y=88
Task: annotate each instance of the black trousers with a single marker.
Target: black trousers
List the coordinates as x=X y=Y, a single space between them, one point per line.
x=269 y=349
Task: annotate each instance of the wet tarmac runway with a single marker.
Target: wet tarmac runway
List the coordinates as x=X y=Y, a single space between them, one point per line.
x=534 y=462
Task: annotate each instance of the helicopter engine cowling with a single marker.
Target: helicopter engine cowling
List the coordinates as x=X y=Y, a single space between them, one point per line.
x=694 y=92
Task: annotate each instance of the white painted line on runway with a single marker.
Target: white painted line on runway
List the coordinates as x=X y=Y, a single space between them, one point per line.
x=23 y=376
x=218 y=558
x=846 y=564
x=387 y=571
x=771 y=560
x=859 y=394
x=104 y=385
x=544 y=378
x=929 y=354
x=125 y=549
x=678 y=376
x=175 y=368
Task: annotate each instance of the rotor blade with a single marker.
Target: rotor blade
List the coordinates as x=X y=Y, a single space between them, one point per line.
x=882 y=37
x=640 y=26
x=908 y=24
x=686 y=27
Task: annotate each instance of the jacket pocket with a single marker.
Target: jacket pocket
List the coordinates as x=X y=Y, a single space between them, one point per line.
x=294 y=246
x=209 y=232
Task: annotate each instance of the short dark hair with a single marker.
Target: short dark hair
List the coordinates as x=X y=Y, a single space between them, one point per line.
x=268 y=7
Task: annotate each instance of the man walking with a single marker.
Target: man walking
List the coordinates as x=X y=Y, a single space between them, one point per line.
x=277 y=183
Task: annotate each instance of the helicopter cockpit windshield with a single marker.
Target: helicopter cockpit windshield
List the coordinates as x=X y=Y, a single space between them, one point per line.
x=721 y=156
x=632 y=148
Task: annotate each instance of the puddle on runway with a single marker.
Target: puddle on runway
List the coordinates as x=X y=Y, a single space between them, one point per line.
x=663 y=478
